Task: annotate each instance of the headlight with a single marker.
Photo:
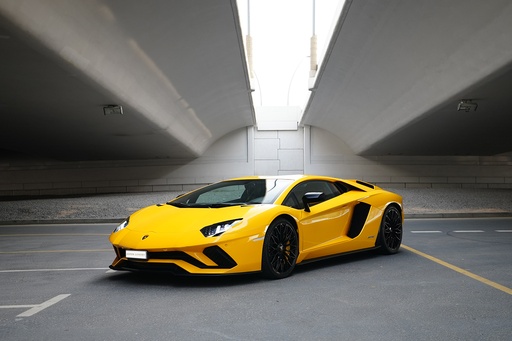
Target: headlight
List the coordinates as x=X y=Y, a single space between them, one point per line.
x=219 y=228
x=122 y=225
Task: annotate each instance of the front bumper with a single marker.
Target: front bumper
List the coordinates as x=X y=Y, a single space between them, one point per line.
x=174 y=261
x=239 y=256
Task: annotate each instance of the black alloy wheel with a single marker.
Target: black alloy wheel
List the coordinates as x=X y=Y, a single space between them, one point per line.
x=280 y=249
x=390 y=234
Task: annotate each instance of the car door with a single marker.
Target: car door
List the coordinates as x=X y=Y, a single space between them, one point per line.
x=327 y=219
x=323 y=230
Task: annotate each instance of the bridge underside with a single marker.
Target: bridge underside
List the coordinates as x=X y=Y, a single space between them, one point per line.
x=397 y=71
x=391 y=82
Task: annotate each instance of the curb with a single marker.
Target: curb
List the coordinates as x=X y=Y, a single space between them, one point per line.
x=119 y=220
x=458 y=215
x=63 y=221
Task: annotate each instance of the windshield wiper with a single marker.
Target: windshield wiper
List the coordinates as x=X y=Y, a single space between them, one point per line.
x=204 y=205
x=178 y=204
x=225 y=204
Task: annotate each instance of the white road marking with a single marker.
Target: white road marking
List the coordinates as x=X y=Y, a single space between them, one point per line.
x=457 y=231
x=35 y=308
x=17 y=306
x=44 y=305
x=52 y=251
x=48 y=270
x=53 y=234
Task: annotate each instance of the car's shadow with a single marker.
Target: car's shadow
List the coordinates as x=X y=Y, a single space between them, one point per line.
x=200 y=281
x=166 y=279
x=335 y=261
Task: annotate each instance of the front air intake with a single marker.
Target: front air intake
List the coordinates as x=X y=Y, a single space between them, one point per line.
x=220 y=257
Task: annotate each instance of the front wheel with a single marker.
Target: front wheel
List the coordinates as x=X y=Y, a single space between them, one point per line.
x=390 y=233
x=280 y=249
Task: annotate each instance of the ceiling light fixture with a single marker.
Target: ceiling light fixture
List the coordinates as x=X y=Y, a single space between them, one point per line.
x=467 y=105
x=112 y=109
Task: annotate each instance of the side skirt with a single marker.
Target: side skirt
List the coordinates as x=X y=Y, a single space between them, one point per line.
x=337 y=255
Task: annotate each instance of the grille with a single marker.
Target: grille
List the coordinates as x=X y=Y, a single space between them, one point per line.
x=153 y=267
x=215 y=253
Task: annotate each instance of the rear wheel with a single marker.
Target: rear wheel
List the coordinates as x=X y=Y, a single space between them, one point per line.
x=280 y=249
x=390 y=233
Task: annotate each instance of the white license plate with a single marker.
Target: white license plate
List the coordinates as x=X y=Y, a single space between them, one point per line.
x=136 y=254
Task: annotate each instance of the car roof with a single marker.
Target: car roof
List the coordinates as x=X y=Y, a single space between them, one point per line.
x=264 y=177
x=288 y=177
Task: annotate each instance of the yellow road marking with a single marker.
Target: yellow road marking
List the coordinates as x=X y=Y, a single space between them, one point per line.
x=53 y=251
x=460 y=270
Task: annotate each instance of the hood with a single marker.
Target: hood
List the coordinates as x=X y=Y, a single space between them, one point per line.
x=171 y=219
x=170 y=226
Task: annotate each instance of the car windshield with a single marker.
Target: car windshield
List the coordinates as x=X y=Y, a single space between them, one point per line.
x=234 y=192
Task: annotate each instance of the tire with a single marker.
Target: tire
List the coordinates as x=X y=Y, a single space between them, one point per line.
x=280 y=249
x=390 y=233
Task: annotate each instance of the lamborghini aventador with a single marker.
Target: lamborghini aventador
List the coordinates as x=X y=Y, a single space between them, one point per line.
x=259 y=224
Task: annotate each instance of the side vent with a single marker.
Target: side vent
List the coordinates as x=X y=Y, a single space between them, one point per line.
x=361 y=211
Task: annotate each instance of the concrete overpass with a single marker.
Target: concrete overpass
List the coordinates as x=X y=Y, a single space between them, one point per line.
x=408 y=92
x=177 y=68
x=397 y=71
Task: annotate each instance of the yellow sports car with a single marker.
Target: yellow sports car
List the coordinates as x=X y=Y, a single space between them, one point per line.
x=259 y=224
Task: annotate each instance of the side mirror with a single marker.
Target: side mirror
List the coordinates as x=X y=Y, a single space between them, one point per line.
x=311 y=198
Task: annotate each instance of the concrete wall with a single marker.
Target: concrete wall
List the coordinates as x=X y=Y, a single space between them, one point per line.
x=231 y=156
x=327 y=154
x=279 y=152
x=249 y=151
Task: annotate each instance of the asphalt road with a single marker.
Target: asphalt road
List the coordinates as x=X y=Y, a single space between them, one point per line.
x=452 y=280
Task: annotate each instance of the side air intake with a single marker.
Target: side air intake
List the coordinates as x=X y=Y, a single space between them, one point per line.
x=361 y=211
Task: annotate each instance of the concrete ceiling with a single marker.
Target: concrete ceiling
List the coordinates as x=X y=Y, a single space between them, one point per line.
x=176 y=67
x=390 y=84
x=396 y=71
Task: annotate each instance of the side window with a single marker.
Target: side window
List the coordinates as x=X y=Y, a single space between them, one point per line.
x=294 y=198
